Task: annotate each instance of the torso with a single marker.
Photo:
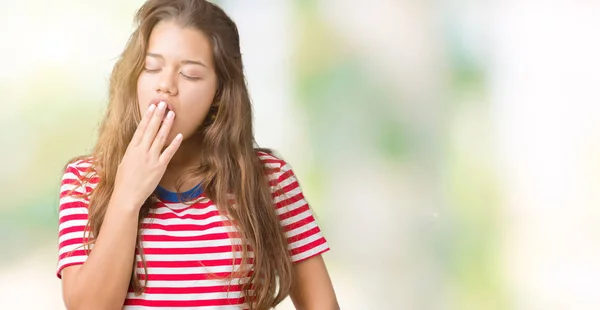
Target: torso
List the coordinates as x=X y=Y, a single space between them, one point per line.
x=189 y=249
x=189 y=254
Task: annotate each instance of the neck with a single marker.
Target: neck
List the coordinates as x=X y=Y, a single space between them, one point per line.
x=184 y=159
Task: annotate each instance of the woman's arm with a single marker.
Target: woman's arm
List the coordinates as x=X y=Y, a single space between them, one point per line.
x=103 y=280
x=312 y=288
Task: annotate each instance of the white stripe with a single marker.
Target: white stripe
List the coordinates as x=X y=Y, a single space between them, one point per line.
x=75 y=187
x=71 y=223
x=190 y=270
x=289 y=180
x=71 y=198
x=69 y=236
x=191 y=244
x=235 y=307
x=79 y=259
x=69 y=248
x=72 y=211
x=309 y=253
x=192 y=257
x=70 y=175
x=187 y=221
x=197 y=283
x=296 y=218
x=189 y=233
x=186 y=297
x=305 y=241
x=81 y=163
x=291 y=207
x=264 y=155
x=195 y=211
x=288 y=194
x=301 y=229
x=273 y=166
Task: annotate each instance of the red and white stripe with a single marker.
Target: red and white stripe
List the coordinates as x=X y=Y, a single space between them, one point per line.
x=189 y=249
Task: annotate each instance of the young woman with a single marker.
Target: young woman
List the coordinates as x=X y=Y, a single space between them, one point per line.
x=175 y=208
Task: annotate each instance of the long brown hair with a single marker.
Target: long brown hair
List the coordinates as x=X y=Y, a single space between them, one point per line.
x=229 y=162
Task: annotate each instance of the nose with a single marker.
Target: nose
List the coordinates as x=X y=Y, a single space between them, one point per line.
x=167 y=83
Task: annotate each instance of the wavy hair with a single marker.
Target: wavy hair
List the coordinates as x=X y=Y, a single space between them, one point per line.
x=229 y=164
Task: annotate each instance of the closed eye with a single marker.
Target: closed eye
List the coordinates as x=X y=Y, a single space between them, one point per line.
x=151 y=70
x=191 y=78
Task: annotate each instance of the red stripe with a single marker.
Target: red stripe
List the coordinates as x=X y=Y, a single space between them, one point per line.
x=304 y=235
x=194 y=290
x=71 y=182
x=61 y=268
x=309 y=246
x=206 y=237
x=194 y=263
x=197 y=205
x=73 y=253
x=289 y=200
x=71 y=242
x=166 y=216
x=271 y=160
x=202 y=250
x=71 y=229
x=74 y=171
x=186 y=227
x=184 y=303
x=185 y=277
x=312 y=255
x=72 y=217
x=78 y=182
x=291 y=213
x=285 y=175
x=73 y=204
x=298 y=224
x=76 y=192
x=290 y=187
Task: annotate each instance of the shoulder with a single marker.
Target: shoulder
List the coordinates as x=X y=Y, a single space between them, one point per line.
x=274 y=165
x=79 y=171
x=282 y=179
x=80 y=166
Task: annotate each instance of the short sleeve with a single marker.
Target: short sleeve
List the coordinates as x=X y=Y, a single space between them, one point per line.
x=305 y=238
x=72 y=217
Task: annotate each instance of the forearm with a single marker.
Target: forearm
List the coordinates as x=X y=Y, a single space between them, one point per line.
x=103 y=280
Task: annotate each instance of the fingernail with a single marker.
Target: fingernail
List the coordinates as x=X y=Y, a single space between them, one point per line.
x=161 y=105
x=151 y=107
x=170 y=115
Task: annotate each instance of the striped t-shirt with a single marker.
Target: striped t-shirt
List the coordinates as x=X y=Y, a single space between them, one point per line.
x=185 y=246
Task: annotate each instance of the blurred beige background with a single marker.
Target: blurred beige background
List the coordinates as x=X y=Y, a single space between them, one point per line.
x=449 y=148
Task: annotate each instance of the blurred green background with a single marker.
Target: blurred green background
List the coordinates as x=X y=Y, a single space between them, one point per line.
x=449 y=148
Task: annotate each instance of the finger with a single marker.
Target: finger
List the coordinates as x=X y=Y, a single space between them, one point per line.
x=163 y=133
x=139 y=131
x=169 y=152
x=153 y=125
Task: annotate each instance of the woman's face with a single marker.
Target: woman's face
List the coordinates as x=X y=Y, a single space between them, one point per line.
x=179 y=70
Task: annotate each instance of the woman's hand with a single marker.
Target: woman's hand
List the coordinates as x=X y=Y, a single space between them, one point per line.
x=145 y=162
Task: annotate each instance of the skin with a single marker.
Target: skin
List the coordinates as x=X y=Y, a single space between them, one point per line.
x=178 y=70
x=312 y=288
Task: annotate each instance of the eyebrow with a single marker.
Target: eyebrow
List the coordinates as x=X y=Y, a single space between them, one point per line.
x=185 y=62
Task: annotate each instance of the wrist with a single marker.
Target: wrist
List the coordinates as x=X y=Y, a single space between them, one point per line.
x=125 y=201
